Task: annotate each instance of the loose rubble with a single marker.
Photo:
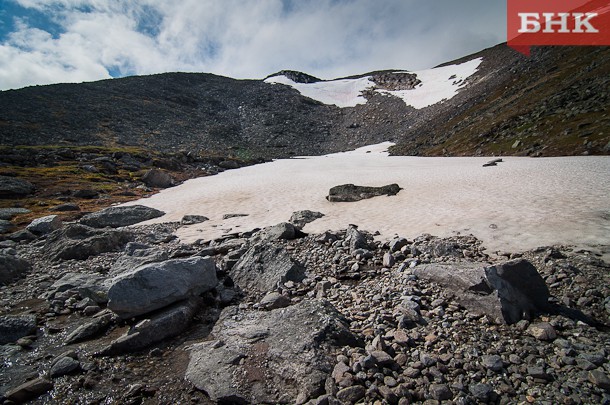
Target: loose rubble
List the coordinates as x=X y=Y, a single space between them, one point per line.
x=278 y=316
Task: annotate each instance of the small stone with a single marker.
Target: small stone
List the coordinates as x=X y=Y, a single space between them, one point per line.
x=542 y=331
x=388 y=260
x=275 y=300
x=387 y=394
x=482 y=392
x=352 y=394
x=493 y=362
x=382 y=358
x=440 y=392
x=599 y=378
x=539 y=373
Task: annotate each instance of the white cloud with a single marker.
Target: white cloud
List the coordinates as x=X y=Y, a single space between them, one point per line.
x=243 y=39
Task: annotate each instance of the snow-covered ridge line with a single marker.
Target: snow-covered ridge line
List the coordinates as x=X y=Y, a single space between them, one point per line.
x=437 y=85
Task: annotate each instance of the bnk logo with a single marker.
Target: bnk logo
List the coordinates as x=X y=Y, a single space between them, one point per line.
x=557 y=22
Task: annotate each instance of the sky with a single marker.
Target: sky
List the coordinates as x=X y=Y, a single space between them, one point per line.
x=58 y=41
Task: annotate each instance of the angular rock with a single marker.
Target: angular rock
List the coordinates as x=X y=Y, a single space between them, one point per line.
x=193 y=219
x=14 y=327
x=440 y=392
x=506 y=293
x=11 y=187
x=158 y=179
x=257 y=351
x=161 y=325
x=482 y=392
x=89 y=329
x=22 y=235
x=29 y=390
x=274 y=300
x=79 y=242
x=397 y=244
x=66 y=207
x=45 y=225
x=351 y=192
x=87 y=286
x=301 y=218
x=599 y=378
x=87 y=194
x=115 y=217
x=137 y=257
x=281 y=231
x=6 y=226
x=542 y=331
x=492 y=362
x=388 y=260
x=263 y=266
x=157 y=285
x=356 y=239
x=64 y=365
x=351 y=395
x=12 y=268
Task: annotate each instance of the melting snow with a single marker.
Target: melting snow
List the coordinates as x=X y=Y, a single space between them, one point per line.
x=436 y=85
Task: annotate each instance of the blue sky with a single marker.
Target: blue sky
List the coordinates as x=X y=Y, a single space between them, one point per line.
x=53 y=41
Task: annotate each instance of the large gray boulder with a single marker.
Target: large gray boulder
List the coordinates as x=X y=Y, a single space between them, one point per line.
x=281 y=231
x=164 y=324
x=115 y=217
x=13 y=327
x=506 y=292
x=351 y=192
x=10 y=213
x=12 y=267
x=255 y=352
x=44 y=225
x=156 y=285
x=13 y=187
x=263 y=267
x=158 y=179
x=136 y=256
x=76 y=241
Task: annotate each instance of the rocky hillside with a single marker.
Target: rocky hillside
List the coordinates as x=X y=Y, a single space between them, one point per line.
x=555 y=103
x=100 y=313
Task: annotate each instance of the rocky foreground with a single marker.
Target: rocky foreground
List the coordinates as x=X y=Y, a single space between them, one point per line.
x=98 y=312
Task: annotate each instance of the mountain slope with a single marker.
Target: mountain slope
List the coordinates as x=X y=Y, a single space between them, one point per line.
x=554 y=103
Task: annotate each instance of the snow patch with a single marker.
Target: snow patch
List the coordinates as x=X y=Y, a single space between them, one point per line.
x=436 y=85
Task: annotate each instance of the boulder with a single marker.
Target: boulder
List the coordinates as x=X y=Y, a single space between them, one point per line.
x=156 y=285
x=301 y=218
x=76 y=241
x=164 y=324
x=29 y=390
x=6 y=226
x=281 y=231
x=356 y=239
x=351 y=192
x=45 y=225
x=65 y=207
x=14 y=327
x=255 y=352
x=12 y=268
x=507 y=292
x=87 y=285
x=263 y=266
x=10 y=213
x=11 y=187
x=193 y=219
x=158 y=179
x=86 y=194
x=133 y=258
x=89 y=329
x=115 y=217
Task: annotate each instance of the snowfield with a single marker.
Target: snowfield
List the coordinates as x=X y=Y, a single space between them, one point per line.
x=436 y=85
x=520 y=204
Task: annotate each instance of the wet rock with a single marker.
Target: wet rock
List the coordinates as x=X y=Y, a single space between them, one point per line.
x=351 y=192
x=301 y=218
x=45 y=225
x=257 y=351
x=542 y=331
x=79 y=242
x=13 y=327
x=89 y=329
x=263 y=266
x=11 y=187
x=193 y=219
x=29 y=390
x=12 y=268
x=158 y=179
x=64 y=365
x=115 y=217
x=156 y=327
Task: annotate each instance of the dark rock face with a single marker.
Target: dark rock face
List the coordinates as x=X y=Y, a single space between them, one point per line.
x=115 y=217
x=13 y=327
x=12 y=268
x=297 y=77
x=255 y=352
x=13 y=187
x=79 y=242
x=351 y=192
x=263 y=266
x=157 y=285
x=507 y=292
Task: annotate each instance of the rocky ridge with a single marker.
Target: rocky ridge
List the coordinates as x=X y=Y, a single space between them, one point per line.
x=292 y=318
